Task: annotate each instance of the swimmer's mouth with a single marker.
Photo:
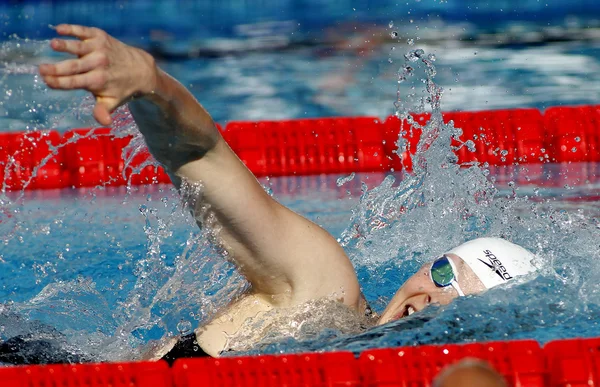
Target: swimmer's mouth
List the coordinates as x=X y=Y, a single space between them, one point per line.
x=408 y=310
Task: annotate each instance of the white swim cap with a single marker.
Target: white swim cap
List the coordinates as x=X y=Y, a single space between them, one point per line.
x=495 y=260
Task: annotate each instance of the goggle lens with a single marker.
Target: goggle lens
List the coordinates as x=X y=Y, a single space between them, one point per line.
x=442 y=273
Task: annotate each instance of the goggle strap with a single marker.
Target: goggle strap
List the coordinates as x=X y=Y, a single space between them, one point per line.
x=456 y=287
x=454 y=282
x=454 y=270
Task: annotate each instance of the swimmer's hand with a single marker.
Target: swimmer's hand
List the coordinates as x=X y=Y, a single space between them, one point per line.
x=111 y=70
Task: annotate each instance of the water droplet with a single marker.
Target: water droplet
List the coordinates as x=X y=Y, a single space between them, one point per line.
x=470 y=145
x=411 y=42
x=573 y=149
x=184 y=326
x=343 y=180
x=394 y=34
x=391 y=24
x=577 y=139
x=414 y=55
x=504 y=152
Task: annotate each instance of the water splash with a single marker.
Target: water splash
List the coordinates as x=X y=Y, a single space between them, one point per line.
x=437 y=200
x=171 y=287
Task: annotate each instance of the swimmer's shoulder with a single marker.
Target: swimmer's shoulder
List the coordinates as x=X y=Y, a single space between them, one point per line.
x=215 y=336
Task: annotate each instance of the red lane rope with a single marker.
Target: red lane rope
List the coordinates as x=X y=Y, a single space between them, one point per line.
x=571 y=362
x=306 y=147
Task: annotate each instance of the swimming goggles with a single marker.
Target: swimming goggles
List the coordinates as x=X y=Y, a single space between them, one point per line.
x=444 y=273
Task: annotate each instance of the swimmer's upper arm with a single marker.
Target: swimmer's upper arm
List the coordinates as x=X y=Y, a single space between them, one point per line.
x=284 y=256
x=281 y=253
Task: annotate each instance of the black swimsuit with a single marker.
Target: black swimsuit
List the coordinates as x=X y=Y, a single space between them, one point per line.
x=186 y=346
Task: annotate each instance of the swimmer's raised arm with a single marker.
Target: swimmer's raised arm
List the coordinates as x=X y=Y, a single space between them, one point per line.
x=283 y=255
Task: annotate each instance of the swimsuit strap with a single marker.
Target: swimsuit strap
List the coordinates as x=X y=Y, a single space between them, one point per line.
x=186 y=346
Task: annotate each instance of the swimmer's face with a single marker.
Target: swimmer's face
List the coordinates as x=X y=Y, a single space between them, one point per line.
x=420 y=291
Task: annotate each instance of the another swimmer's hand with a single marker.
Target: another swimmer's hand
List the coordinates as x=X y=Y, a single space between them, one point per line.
x=111 y=70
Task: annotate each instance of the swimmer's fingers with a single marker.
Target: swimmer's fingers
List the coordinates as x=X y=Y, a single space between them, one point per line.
x=75 y=47
x=91 y=81
x=75 y=66
x=102 y=112
x=80 y=32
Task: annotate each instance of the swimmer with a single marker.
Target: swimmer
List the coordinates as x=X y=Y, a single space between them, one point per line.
x=287 y=259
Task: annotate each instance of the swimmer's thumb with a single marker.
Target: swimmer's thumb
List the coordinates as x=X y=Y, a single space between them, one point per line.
x=102 y=113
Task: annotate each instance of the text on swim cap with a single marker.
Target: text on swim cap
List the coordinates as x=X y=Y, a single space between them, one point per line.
x=496 y=265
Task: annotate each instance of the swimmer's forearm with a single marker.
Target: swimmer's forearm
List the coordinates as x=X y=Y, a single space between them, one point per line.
x=177 y=129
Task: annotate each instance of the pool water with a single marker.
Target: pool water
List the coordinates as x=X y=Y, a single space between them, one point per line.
x=114 y=268
x=93 y=264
